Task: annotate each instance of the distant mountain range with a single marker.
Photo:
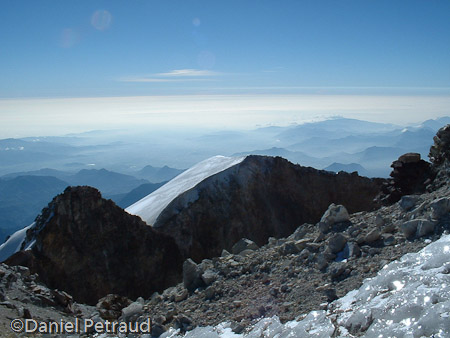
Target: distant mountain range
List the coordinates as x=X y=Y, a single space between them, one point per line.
x=374 y=146
x=24 y=194
x=22 y=199
x=335 y=144
x=317 y=144
x=351 y=167
x=157 y=175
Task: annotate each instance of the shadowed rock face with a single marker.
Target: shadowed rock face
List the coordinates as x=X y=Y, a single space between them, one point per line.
x=440 y=155
x=410 y=175
x=89 y=247
x=258 y=198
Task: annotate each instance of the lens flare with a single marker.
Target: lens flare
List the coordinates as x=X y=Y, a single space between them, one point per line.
x=101 y=19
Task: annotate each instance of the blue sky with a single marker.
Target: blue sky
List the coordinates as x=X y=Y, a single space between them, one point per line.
x=70 y=49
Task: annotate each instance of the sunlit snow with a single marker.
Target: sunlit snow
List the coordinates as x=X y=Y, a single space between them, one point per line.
x=151 y=206
x=13 y=244
x=408 y=298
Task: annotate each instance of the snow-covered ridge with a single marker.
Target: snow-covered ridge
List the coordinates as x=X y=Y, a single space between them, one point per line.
x=14 y=243
x=408 y=298
x=152 y=205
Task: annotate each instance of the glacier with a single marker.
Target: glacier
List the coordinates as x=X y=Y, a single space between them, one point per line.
x=409 y=297
x=149 y=207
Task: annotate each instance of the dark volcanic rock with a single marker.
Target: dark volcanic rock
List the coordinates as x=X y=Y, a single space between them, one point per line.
x=440 y=151
x=440 y=155
x=410 y=175
x=256 y=199
x=89 y=247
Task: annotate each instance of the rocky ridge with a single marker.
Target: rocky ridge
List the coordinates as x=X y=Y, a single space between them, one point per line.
x=260 y=197
x=89 y=247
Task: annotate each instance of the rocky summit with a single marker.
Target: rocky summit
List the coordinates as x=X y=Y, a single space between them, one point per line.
x=260 y=197
x=89 y=247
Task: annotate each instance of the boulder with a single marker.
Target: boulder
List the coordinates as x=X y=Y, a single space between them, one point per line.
x=225 y=253
x=192 y=275
x=337 y=243
x=335 y=214
x=409 y=228
x=408 y=202
x=417 y=228
x=182 y=295
x=243 y=244
x=425 y=227
x=300 y=232
x=289 y=248
x=209 y=277
x=379 y=220
x=132 y=312
x=440 y=207
x=372 y=236
x=353 y=249
x=110 y=307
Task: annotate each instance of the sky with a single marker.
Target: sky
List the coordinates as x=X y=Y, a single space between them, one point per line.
x=73 y=65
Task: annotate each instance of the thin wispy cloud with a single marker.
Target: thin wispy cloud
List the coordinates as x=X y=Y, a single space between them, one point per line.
x=152 y=79
x=188 y=73
x=177 y=75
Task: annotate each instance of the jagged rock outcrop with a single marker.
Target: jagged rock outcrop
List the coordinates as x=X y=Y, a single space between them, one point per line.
x=440 y=155
x=89 y=247
x=410 y=175
x=256 y=199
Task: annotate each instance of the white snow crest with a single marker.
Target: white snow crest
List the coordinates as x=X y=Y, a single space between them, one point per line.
x=14 y=243
x=152 y=205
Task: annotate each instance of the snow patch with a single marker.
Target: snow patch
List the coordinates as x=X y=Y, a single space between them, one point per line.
x=152 y=205
x=14 y=243
x=408 y=298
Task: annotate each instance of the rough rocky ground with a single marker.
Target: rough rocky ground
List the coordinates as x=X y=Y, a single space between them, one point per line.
x=292 y=276
x=23 y=296
x=286 y=277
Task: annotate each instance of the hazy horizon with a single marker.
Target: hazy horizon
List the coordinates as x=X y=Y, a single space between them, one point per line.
x=71 y=66
x=61 y=116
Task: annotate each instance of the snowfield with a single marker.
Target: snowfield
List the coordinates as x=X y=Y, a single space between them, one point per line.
x=152 y=205
x=14 y=243
x=408 y=298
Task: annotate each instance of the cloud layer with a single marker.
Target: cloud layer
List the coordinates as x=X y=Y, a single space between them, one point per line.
x=31 y=117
